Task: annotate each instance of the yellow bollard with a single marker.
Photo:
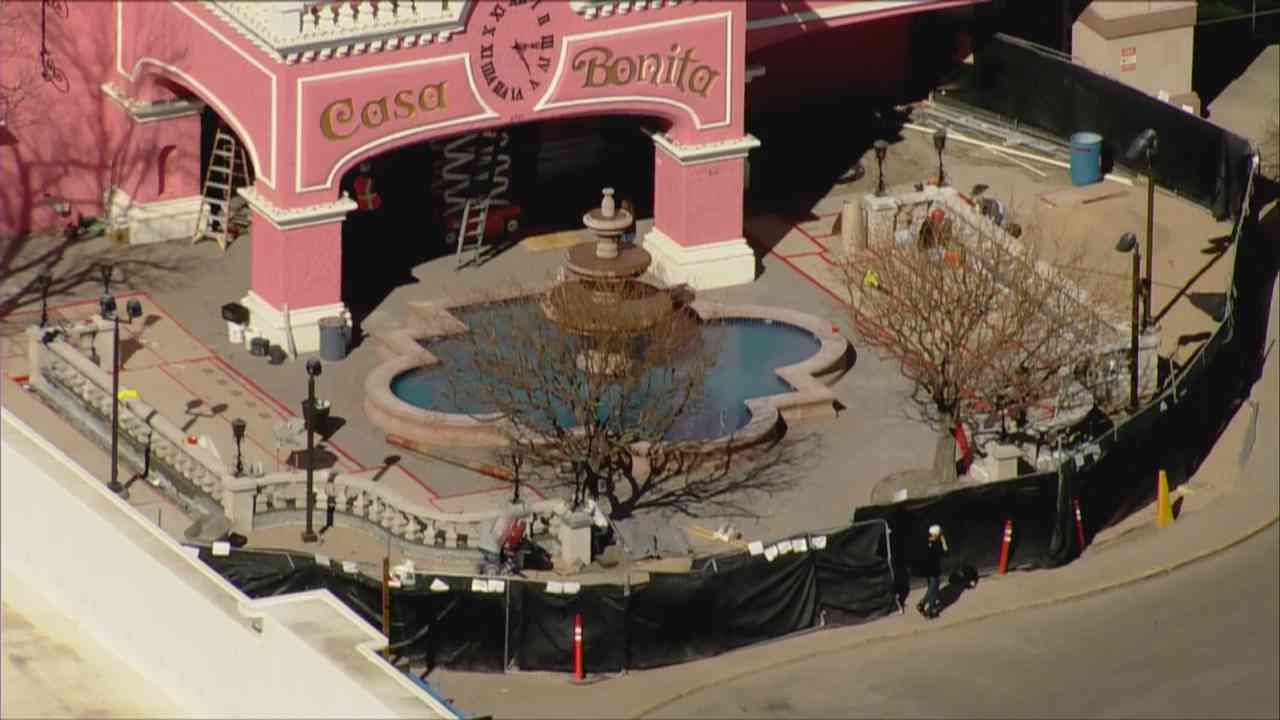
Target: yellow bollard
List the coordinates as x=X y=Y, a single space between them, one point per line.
x=1164 y=510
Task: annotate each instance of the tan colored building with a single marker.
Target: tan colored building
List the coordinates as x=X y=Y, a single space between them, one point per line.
x=1145 y=43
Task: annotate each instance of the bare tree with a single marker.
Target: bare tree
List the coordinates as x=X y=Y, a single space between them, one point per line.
x=603 y=392
x=978 y=322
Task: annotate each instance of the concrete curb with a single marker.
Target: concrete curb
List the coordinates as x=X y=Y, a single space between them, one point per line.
x=1047 y=602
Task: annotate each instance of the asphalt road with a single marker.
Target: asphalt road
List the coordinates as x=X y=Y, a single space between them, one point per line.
x=1203 y=641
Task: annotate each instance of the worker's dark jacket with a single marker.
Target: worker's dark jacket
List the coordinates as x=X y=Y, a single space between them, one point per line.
x=932 y=565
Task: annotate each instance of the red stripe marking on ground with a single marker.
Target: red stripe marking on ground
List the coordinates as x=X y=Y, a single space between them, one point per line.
x=418 y=480
x=811 y=238
x=803 y=274
x=804 y=254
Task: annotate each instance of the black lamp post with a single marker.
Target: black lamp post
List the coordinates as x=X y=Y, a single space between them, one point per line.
x=882 y=149
x=133 y=309
x=1143 y=149
x=940 y=142
x=237 y=430
x=309 y=419
x=43 y=281
x=1129 y=244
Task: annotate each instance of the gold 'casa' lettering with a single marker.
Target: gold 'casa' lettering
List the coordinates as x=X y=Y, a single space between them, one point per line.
x=682 y=70
x=405 y=108
x=341 y=111
x=339 y=121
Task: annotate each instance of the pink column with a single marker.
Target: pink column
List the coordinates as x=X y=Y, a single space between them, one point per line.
x=296 y=270
x=155 y=176
x=697 y=235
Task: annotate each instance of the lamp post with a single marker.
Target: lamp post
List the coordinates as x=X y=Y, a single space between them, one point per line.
x=104 y=271
x=309 y=419
x=237 y=430
x=1129 y=244
x=940 y=142
x=1143 y=149
x=43 y=281
x=133 y=309
x=882 y=149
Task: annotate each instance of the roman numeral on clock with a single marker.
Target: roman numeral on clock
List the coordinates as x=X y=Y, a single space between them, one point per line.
x=497 y=12
x=490 y=73
x=544 y=19
x=486 y=52
x=500 y=89
x=548 y=42
x=544 y=63
x=517 y=93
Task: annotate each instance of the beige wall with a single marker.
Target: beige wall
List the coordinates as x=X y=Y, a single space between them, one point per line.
x=78 y=548
x=1163 y=57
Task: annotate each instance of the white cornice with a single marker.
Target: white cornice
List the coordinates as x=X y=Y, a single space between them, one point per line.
x=291 y=218
x=143 y=112
x=298 y=31
x=592 y=9
x=709 y=152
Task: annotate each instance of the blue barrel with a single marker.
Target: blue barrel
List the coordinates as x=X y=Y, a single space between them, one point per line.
x=1086 y=158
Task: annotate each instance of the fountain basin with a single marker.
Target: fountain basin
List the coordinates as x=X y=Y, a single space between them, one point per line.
x=397 y=401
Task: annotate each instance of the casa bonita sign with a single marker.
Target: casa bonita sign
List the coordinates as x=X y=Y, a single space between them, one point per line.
x=599 y=67
x=338 y=120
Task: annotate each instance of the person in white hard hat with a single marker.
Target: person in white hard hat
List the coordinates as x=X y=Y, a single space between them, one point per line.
x=932 y=570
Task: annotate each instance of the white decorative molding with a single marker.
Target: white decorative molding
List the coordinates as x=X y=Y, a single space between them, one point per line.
x=309 y=30
x=291 y=218
x=594 y=9
x=268 y=321
x=142 y=111
x=707 y=152
x=703 y=267
x=152 y=222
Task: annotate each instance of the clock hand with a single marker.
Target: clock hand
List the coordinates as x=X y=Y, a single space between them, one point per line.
x=520 y=47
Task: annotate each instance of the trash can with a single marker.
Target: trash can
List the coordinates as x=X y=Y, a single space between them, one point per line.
x=1086 y=158
x=237 y=317
x=333 y=338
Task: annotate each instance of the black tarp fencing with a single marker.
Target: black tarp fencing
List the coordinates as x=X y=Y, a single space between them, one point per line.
x=1036 y=87
x=726 y=602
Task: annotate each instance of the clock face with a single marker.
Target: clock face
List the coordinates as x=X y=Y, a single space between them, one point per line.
x=517 y=45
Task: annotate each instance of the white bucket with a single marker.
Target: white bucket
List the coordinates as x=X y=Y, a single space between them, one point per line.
x=235 y=333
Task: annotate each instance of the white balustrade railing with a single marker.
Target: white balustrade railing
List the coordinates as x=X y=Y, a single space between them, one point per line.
x=248 y=497
x=243 y=499
x=316 y=29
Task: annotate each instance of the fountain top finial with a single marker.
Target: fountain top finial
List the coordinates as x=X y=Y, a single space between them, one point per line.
x=607 y=206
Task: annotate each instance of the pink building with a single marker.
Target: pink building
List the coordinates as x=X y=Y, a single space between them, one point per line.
x=312 y=90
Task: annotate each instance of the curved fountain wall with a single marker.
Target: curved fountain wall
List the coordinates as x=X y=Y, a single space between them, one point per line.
x=402 y=352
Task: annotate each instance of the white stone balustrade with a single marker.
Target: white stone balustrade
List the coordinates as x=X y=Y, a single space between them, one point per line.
x=304 y=31
x=362 y=498
x=244 y=498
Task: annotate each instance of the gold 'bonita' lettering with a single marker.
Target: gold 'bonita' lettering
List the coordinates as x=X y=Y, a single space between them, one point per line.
x=681 y=70
x=339 y=121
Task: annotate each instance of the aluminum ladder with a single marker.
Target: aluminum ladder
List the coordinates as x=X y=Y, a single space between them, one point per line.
x=475 y=214
x=228 y=170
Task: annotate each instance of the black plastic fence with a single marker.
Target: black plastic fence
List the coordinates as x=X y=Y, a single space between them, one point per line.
x=1036 y=87
x=732 y=601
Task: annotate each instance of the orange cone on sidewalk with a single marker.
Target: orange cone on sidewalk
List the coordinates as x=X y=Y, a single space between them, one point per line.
x=1164 y=510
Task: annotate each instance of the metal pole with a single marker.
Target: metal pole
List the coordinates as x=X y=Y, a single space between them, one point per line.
x=386 y=602
x=1151 y=203
x=309 y=535
x=1133 y=344
x=115 y=407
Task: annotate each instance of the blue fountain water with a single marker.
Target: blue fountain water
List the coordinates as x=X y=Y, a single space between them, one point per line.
x=749 y=352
